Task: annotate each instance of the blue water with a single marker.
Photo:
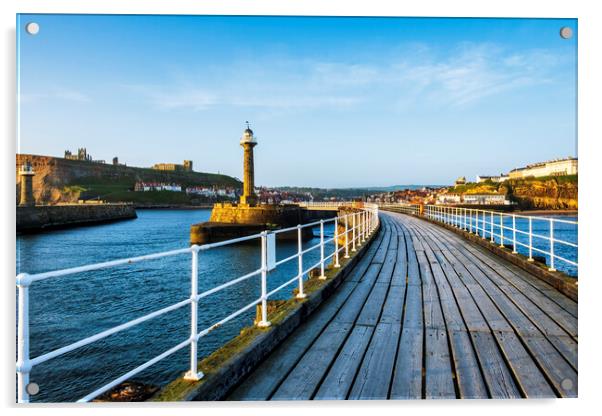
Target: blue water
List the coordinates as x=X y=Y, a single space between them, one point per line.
x=66 y=309
x=540 y=241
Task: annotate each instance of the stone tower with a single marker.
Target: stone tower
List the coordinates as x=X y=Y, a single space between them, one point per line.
x=248 y=142
x=26 y=172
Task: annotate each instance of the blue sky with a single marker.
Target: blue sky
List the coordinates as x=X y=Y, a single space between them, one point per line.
x=334 y=102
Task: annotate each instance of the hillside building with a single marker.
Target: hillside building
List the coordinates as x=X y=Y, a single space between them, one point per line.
x=186 y=166
x=558 y=167
x=82 y=155
x=494 y=179
x=460 y=181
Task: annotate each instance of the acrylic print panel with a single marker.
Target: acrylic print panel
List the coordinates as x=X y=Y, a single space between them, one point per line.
x=278 y=208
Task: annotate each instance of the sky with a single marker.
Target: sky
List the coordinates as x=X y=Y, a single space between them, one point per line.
x=334 y=102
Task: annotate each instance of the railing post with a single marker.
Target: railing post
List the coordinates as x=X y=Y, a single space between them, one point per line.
x=363 y=226
x=501 y=230
x=336 y=242
x=353 y=233
x=484 y=226
x=193 y=374
x=264 y=323
x=346 y=236
x=458 y=222
x=514 y=234
x=552 y=269
x=23 y=365
x=359 y=228
x=322 y=275
x=530 y=239
x=470 y=220
x=301 y=294
x=491 y=228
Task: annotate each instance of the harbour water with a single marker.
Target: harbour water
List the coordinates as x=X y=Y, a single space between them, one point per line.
x=66 y=309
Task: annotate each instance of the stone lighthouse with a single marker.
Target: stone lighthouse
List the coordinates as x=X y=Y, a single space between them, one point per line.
x=248 y=142
x=26 y=172
x=247 y=217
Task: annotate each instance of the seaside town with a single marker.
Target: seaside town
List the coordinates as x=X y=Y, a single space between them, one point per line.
x=489 y=190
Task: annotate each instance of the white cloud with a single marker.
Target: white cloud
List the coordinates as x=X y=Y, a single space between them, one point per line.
x=463 y=76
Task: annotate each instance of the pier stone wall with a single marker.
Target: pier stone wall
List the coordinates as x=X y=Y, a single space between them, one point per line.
x=260 y=214
x=38 y=218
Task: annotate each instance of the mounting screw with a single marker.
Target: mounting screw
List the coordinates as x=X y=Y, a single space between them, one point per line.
x=32 y=28
x=32 y=389
x=566 y=32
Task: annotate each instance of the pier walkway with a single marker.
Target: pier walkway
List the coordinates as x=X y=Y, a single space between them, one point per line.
x=426 y=314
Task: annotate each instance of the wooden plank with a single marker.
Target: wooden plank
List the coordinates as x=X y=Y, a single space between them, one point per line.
x=549 y=325
x=265 y=379
x=469 y=310
x=393 y=308
x=547 y=314
x=413 y=317
x=339 y=378
x=374 y=377
x=489 y=298
x=388 y=266
x=529 y=284
x=471 y=384
x=546 y=323
x=439 y=380
x=413 y=272
x=519 y=321
x=562 y=376
x=407 y=375
x=381 y=254
x=451 y=313
x=530 y=379
x=401 y=264
x=495 y=372
x=303 y=380
x=433 y=316
x=352 y=307
x=374 y=304
x=567 y=347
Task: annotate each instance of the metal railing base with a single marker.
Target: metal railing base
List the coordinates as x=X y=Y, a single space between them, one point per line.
x=193 y=377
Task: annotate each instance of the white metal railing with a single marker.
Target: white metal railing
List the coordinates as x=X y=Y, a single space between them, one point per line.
x=358 y=226
x=335 y=204
x=504 y=228
x=413 y=209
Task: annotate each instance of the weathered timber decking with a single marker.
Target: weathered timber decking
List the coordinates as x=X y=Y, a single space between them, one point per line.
x=426 y=314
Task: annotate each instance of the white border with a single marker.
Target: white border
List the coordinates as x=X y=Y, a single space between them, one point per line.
x=590 y=114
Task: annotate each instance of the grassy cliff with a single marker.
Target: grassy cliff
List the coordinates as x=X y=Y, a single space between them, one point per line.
x=550 y=192
x=62 y=180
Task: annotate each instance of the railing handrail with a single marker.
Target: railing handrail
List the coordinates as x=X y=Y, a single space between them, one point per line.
x=365 y=220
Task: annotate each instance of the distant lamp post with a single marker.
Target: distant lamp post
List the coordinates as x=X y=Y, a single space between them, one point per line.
x=26 y=172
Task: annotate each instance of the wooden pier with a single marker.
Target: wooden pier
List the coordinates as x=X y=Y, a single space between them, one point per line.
x=427 y=314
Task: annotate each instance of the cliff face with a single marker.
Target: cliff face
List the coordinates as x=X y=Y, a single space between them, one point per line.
x=62 y=180
x=544 y=194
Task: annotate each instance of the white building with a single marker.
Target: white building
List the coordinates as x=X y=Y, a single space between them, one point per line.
x=485 y=199
x=449 y=199
x=558 y=167
x=494 y=179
